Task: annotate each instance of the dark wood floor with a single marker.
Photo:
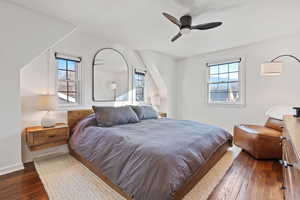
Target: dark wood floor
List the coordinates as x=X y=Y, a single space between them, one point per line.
x=22 y=185
x=247 y=179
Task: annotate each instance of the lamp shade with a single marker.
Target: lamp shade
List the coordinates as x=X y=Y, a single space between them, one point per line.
x=47 y=102
x=271 y=69
x=155 y=100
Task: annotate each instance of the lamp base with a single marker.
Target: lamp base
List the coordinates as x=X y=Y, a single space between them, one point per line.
x=48 y=120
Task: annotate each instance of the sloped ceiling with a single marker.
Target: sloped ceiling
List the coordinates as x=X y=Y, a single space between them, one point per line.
x=140 y=25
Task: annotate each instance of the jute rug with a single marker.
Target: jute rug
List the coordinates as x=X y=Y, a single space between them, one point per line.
x=65 y=178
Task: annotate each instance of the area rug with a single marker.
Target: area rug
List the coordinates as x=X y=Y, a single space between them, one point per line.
x=65 y=178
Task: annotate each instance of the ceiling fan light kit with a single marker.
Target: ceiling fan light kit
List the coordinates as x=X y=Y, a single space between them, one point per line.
x=185 y=25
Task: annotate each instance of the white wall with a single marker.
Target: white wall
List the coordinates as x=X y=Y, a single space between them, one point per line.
x=38 y=77
x=163 y=71
x=261 y=92
x=24 y=35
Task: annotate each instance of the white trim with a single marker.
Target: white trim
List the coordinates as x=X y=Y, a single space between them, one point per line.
x=78 y=84
x=11 y=168
x=136 y=70
x=242 y=72
x=225 y=61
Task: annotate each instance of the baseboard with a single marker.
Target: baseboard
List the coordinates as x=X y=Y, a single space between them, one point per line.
x=11 y=168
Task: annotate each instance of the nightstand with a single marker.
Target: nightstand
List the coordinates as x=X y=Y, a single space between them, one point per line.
x=38 y=138
x=162 y=115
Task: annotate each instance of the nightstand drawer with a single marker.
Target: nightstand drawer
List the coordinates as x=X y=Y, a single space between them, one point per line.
x=42 y=138
x=48 y=136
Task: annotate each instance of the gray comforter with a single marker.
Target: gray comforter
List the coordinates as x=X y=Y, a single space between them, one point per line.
x=151 y=159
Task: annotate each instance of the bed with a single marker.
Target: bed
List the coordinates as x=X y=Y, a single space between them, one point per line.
x=157 y=159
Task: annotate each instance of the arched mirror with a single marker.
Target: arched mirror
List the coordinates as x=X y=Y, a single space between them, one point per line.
x=110 y=76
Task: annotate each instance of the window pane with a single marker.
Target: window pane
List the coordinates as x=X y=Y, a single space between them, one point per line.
x=71 y=65
x=214 y=78
x=71 y=76
x=72 y=97
x=234 y=76
x=62 y=86
x=139 y=98
x=62 y=97
x=67 y=81
x=62 y=64
x=213 y=70
x=234 y=67
x=72 y=86
x=223 y=87
x=223 y=68
x=234 y=87
x=223 y=77
x=139 y=84
x=213 y=87
x=234 y=97
x=139 y=90
x=224 y=83
x=61 y=75
x=218 y=96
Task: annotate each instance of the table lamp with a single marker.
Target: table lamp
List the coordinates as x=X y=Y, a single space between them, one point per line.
x=47 y=103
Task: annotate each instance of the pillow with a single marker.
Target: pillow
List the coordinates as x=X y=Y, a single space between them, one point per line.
x=277 y=112
x=145 y=112
x=111 y=116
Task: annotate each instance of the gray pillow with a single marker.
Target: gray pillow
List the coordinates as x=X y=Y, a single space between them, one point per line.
x=111 y=116
x=145 y=112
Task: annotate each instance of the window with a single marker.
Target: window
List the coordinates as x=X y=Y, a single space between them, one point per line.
x=139 y=78
x=67 y=86
x=224 y=83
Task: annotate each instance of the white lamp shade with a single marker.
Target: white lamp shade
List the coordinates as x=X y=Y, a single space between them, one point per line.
x=47 y=102
x=271 y=69
x=155 y=100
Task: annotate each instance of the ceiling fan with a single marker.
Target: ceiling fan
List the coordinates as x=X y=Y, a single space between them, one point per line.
x=185 y=25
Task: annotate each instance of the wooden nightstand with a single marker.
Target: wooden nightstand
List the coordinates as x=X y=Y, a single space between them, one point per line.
x=162 y=114
x=39 y=138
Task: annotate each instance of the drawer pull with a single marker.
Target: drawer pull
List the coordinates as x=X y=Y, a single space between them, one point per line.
x=51 y=136
x=285 y=163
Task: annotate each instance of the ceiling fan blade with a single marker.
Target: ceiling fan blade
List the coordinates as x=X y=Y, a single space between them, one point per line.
x=172 y=19
x=176 y=37
x=207 y=26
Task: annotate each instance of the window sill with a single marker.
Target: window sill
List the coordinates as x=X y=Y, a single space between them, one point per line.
x=72 y=107
x=227 y=105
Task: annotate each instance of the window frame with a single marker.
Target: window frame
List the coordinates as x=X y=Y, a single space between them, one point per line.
x=143 y=74
x=241 y=81
x=78 y=77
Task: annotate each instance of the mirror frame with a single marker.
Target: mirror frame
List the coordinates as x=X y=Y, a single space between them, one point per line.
x=93 y=75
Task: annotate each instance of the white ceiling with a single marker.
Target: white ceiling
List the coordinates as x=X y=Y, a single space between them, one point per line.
x=140 y=25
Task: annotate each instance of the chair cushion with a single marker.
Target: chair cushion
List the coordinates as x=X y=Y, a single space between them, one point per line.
x=260 y=130
x=274 y=124
x=259 y=141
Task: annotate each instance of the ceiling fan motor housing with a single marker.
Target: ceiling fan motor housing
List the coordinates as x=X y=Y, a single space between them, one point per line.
x=186 y=22
x=185 y=25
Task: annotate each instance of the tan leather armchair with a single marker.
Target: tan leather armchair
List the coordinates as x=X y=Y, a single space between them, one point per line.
x=262 y=142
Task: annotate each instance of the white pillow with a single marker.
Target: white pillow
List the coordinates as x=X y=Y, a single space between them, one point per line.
x=277 y=112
